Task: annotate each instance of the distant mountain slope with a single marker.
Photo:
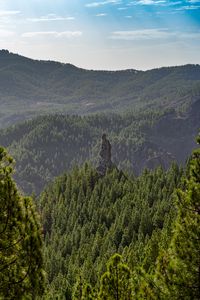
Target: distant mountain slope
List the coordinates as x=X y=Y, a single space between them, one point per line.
x=30 y=87
x=47 y=146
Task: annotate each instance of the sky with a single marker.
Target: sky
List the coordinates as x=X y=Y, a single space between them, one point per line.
x=103 y=34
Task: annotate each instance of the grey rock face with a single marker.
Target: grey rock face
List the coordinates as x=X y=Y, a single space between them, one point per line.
x=105 y=161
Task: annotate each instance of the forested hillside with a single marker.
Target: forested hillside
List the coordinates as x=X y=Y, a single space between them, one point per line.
x=47 y=146
x=152 y=221
x=87 y=218
x=105 y=237
x=29 y=88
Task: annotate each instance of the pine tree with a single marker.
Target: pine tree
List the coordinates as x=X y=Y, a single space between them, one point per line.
x=21 y=273
x=78 y=289
x=88 y=293
x=178 y=274
x=115 y=282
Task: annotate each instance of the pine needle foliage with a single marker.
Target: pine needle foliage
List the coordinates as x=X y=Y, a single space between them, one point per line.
x=21 y=262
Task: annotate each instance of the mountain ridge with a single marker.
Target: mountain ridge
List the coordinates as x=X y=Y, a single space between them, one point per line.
x=29 y=88
x=7 y=52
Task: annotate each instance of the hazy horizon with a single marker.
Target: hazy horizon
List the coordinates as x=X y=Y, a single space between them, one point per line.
x=90 y=69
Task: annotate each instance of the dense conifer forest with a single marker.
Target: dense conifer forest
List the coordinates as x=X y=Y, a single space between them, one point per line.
x=88 y=218
x=117 y=236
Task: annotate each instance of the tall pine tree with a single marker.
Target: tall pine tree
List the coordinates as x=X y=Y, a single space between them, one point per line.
x=115 y=282
x=178 y=274
x=21 y=273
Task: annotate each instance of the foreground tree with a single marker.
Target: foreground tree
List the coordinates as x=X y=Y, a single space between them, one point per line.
x=115 y=282
x=178 y=275
x=21 y=273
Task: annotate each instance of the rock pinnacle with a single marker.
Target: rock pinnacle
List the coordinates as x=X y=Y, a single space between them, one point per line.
x=105 y=161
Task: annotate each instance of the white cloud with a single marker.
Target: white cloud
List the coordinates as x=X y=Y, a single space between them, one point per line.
x=55 y=34
x=175 y=3
x=101 y=3
x=189 y=7
x=101 y=15
x=191 y=35
x=163 y=3
x=150 y=2
x=143 y=34
x=7 y=13
x=122 y=8
x=147 y=2
x=6 y=33
x=152 y=34
x=50 y=17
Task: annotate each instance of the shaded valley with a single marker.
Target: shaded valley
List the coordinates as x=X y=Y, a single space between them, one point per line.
x=50 y=145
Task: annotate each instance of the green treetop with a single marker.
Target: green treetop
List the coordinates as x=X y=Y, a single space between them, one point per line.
x=115 y=282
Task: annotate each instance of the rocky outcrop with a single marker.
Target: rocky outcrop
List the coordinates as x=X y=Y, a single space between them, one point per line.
x=105 y=161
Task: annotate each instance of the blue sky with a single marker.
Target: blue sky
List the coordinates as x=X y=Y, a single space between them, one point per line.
x=103 y=34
